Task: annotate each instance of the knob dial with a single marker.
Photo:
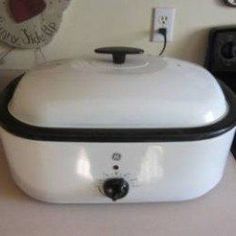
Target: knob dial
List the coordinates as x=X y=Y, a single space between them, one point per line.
x=116 y=188
x=229 y=50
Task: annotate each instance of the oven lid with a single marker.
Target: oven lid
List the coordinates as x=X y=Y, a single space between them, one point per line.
x=145 y=92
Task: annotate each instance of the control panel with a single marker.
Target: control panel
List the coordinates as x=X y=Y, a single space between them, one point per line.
x=221 y=55
x=117 y=182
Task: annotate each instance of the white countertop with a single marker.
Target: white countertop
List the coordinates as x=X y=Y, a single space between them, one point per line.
x=213 y=214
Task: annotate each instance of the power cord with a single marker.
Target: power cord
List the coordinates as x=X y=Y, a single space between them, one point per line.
x=163 y=31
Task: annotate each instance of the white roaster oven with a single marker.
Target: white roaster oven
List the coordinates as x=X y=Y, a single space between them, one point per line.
x=135 y=129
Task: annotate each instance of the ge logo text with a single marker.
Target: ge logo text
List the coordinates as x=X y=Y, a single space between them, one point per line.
x=116 y=156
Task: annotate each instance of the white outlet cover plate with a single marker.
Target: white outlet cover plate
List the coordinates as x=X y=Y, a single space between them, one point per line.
x=163 y=17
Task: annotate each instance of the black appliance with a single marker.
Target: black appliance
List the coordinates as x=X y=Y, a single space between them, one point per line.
x=221 y=58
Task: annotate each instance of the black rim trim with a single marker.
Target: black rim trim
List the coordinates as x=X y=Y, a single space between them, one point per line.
x=18 y=128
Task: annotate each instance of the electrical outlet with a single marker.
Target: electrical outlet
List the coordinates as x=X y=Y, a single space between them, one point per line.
x=162 y=18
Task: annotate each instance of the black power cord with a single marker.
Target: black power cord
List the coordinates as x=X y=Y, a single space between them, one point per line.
x=163 y=31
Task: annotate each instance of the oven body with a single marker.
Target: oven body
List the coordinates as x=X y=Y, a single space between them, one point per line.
x=73 y=172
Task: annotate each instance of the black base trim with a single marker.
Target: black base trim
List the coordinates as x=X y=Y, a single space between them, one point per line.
x=18 y=128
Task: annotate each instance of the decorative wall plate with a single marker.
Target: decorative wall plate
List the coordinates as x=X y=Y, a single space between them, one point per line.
x=30 y=23
x=231 y=3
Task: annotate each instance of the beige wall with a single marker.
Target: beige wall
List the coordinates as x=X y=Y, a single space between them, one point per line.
x=93 y=23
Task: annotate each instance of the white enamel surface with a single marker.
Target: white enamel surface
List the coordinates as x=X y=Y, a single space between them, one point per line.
x=145 y=92
x=73 y=172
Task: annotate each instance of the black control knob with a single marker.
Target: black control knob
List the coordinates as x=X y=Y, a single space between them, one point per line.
x=116 y=188
x=229 y=50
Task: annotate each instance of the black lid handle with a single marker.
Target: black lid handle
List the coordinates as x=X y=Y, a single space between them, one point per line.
x=119 y=53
